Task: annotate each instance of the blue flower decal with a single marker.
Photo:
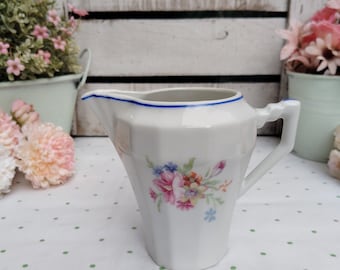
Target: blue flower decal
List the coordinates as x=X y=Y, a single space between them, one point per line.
x=210 y=215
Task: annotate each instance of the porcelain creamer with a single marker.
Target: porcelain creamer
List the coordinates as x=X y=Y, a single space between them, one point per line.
x=186 y=152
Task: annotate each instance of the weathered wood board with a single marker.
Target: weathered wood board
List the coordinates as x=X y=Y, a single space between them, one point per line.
x=180 y=5
x=183 y=47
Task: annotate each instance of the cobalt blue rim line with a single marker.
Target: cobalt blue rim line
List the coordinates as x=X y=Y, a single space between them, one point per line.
x=165 y=106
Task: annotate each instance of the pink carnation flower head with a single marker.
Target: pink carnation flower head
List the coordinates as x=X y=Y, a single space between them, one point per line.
x=24 y=113
x=46 y=155
x=9 y=132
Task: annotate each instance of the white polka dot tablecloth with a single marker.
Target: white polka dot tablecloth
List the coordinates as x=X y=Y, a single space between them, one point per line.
x=289 y=220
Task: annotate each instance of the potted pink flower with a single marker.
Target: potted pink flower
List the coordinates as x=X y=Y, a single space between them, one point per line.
x=39 y=58
x=311 y=57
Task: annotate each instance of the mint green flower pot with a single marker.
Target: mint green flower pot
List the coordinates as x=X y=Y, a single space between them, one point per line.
x=320 y=113
x=54 y=99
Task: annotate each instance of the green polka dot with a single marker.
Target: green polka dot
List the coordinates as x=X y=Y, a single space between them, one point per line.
x=3 y=251
x=25 y=265
x=252 y=230
x=65 y=252
x=290 y=243
x=130 y=251
x=162 y=268
x=338 y=196
x=332 y=255
x=314 y=231
x=92 y=266
x=263 y=253
x=233 y=267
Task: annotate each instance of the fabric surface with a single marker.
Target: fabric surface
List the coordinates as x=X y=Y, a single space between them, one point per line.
x=289 y=220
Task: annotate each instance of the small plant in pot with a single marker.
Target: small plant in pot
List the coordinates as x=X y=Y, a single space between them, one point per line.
x=311 y=57
x=38 y=50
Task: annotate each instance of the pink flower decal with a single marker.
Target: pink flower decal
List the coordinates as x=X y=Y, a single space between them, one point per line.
x=14 y=66
x=219 y=167
x=168 y=183
x=53 y=17
x=40 y=32
x=184 y=188
x=59 y=44
x=4 y=48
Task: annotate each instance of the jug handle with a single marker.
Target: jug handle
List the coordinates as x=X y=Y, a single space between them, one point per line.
x=289 y=111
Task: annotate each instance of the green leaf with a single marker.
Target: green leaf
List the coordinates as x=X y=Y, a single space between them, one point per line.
x=188 y=166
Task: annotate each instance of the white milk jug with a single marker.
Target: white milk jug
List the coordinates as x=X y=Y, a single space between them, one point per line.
x=186 y=151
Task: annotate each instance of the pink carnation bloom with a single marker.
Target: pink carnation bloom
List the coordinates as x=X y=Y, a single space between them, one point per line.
x=325 y=14
x=53 y=17
x=24 y=113
x=45 y=56
x=59 y=43
x=9 y=132
x=4 y=48
x=14 y=66
x=45 y=155
x=40 y=32
x=334 y=163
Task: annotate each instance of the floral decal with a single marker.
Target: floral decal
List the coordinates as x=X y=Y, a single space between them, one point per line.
x=183 y=188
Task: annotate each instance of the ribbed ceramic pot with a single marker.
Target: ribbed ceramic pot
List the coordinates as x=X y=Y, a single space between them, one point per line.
x=54 y=99
x=320 y=113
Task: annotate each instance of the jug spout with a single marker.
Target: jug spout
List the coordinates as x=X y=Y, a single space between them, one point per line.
x=109 y=105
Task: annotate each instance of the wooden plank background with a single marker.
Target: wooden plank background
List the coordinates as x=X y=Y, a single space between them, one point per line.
x=149 y=44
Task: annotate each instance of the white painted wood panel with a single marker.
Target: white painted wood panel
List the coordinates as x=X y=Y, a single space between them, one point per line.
x=179 y=5
x=256 y=94
x=183 y=47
